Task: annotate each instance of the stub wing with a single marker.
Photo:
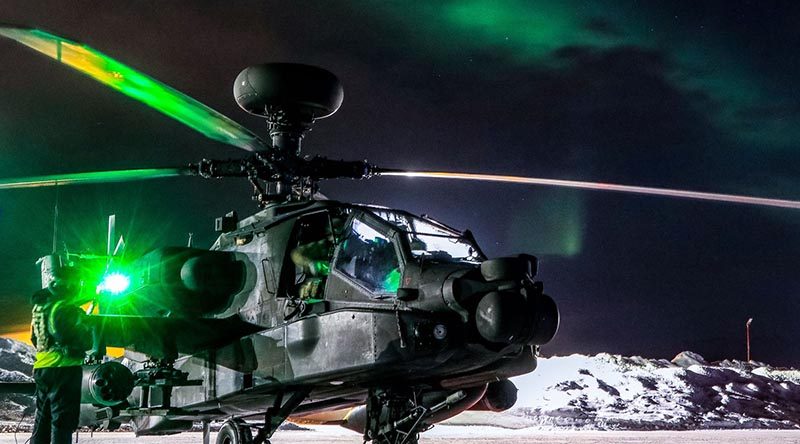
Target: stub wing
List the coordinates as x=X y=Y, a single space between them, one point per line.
x=162 y=337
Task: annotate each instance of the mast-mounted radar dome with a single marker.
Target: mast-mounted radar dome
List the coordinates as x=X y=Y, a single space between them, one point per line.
x=290 y=96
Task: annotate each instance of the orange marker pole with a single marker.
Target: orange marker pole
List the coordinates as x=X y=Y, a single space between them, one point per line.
x=747 y=329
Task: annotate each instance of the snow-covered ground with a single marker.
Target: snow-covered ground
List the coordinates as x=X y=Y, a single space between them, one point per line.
x=612 y=392
x=590 y=393
x=479 y=435
x=16 y=361
x=16 y=365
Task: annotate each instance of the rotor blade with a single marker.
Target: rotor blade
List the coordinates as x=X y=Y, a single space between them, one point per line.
x=138 y=86
x=92 y=177
x=600 y=186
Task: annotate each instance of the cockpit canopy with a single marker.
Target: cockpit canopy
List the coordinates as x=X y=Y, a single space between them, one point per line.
x=428 y=238
x=376 y=243
x=366 y=247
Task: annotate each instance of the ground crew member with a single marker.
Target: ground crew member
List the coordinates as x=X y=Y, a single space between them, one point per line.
x=61 y=337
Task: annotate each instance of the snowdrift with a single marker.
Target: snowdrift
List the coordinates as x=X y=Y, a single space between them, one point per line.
x=612 y=392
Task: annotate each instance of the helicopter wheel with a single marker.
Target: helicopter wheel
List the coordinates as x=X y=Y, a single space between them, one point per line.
x=235 y=432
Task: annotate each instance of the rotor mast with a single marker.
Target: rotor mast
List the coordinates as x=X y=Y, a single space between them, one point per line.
x=290 y=97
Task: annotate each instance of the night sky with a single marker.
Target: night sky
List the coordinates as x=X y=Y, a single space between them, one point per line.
x=702 y=95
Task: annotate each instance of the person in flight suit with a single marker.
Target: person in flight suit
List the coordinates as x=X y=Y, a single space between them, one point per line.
x=314 y=259
x=313 y=254
x=61 y=335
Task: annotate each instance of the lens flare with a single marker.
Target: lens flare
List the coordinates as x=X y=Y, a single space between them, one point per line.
x=600 y=186
x=114 y=283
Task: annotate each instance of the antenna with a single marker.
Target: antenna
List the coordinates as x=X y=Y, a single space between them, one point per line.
x=55 y=221
x=112 y=227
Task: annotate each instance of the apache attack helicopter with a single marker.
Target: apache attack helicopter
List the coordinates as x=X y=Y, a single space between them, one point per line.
x=309 y=306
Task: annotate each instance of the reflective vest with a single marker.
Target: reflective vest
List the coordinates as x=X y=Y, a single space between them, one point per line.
x=51 y=352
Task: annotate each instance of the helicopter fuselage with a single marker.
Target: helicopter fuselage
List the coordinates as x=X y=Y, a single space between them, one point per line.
x=398 y=304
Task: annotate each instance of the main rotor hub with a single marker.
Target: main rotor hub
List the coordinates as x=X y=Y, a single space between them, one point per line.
x=290 y=96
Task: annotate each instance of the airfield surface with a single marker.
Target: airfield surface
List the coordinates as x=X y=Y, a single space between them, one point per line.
x=472 y=435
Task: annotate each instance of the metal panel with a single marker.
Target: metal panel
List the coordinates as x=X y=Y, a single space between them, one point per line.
x=197 y=367
x=331 y=343
x=269 y=347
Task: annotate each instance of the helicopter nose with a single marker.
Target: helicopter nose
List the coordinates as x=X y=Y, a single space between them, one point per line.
x=505 y=305
x=512 y=317
x=501 y=316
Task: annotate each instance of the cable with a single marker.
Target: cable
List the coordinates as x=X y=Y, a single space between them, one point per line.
x=16 y=429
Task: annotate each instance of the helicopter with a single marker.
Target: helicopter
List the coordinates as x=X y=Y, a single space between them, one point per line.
x=309 y=305
x=398 y=319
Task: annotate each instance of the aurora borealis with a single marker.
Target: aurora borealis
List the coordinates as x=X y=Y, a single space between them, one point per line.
x=687 y=95
x=702 y=49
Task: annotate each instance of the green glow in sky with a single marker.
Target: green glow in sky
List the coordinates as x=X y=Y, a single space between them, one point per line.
x=707 y=65
x=527 y=30
x=552 y=224
x=134 y=84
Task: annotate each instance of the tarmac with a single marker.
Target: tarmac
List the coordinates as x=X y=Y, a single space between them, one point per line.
x=471 y=435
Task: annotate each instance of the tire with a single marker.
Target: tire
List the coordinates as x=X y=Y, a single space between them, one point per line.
x=234 y=432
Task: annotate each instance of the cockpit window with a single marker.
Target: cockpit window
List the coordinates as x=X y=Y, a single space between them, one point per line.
x=430 y=239
x=311 y=251
x=370 y=258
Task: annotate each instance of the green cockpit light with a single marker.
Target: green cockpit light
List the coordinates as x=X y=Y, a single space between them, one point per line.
x=392 y=281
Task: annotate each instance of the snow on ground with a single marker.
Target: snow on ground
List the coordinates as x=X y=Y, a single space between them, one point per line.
x=16 y=365
x=16 y=361
x=608 y=392
x=602 y=392
x=485 y=435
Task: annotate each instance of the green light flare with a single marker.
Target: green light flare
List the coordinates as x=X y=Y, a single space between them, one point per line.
x=90 y=177
x=114 y=283
x=138 y=86
x=392 y=281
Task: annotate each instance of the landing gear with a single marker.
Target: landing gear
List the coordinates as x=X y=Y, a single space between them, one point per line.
x=235 y=432
x=397 y=416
